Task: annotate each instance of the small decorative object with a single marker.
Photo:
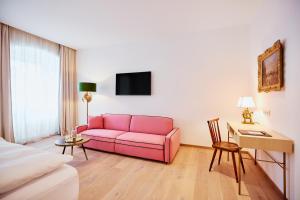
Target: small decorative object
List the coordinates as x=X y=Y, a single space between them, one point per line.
x=73 y=133
x=73 y=137
x=68 y=138
x=87 y=97
x=246 y=103
x=270 y=69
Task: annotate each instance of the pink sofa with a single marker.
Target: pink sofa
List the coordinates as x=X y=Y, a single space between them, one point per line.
x=134 y=135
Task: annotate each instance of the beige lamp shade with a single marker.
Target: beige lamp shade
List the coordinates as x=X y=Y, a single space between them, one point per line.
x=246 y=102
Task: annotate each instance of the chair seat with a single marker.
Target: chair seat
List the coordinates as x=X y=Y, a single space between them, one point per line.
x=227 y=146
x=231 y=147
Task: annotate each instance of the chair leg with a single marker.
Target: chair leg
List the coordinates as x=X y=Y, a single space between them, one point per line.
x=241 y=159
x=234 y=166
x=212 y=160
x=220 y=156
x=228 y=156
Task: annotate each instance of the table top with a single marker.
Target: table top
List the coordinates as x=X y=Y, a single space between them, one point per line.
x=61 y=142
x=277 y=141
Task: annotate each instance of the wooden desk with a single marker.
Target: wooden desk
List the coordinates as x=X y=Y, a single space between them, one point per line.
x=277 y=142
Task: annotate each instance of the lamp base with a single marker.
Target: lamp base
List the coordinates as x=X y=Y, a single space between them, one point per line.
x=247 y=115
x=246 y=122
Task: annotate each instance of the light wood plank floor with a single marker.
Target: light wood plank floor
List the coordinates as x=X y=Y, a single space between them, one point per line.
x=110 y=176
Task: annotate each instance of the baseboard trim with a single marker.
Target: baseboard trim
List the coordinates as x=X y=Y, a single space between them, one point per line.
x=204 y=147
x=196 y=146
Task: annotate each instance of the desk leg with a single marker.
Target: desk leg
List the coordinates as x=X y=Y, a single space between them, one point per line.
x=72 y=150
x=255 y=154
x=228 y=141
x=239 y=173
x=284 y=175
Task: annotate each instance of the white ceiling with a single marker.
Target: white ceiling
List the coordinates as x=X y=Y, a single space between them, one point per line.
x=92 y=23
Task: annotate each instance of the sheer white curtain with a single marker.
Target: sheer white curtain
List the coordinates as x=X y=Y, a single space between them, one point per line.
x=35 y=66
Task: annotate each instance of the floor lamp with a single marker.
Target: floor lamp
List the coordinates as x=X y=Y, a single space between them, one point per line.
x=87 y=97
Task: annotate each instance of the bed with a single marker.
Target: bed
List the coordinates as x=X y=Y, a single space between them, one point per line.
x=28 y=173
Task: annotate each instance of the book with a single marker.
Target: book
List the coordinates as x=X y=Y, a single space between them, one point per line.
x=254 y=133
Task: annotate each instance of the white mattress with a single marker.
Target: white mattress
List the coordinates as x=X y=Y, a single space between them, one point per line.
x=63 y=183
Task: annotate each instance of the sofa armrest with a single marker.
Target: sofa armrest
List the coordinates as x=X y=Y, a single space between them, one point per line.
x=172 y=144
x=81 y=128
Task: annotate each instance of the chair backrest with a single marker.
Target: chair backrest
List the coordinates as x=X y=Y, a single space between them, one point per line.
x=214 y=130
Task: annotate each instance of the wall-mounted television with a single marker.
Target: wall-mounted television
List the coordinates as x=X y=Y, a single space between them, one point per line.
x=138 y=83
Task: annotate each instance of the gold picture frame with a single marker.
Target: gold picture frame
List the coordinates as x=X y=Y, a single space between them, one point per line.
x=270 y=69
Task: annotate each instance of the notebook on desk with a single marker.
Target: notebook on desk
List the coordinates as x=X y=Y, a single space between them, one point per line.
x=254 y=133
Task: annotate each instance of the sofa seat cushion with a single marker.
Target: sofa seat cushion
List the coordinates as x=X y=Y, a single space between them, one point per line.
x=104 y=135
x=143 y=140
x=151 y=124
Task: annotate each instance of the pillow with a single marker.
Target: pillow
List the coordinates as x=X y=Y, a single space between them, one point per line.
x=95 y=122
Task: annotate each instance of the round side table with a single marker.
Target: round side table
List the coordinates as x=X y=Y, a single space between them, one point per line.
x=61 y=142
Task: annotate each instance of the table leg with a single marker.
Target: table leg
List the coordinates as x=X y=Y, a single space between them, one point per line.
x=72 y=150
x=255 y=155
x=239 y=173
x=84 y=152
x=228 y=141
x=284 y=175
x=64 y=150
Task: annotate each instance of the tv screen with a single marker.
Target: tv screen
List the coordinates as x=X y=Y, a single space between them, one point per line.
x=138 y=83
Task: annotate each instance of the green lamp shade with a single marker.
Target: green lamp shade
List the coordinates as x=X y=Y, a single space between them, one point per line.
x=87 y=87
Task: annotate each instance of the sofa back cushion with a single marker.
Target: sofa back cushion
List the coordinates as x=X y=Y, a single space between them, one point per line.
x=117 y=122
x=151 y=124
x=95 y=122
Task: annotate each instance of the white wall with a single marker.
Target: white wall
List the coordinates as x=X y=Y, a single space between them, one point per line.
x=281 y=21
x=195 y=76
x=201 y=74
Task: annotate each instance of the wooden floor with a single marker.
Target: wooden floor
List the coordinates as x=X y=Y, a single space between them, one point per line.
x=110 y=176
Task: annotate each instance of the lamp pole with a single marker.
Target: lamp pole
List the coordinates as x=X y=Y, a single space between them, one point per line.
x=87 y=112
x=87 y=97
x=87 y=87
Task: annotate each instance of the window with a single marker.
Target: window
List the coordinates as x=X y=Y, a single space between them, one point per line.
x=34 y=86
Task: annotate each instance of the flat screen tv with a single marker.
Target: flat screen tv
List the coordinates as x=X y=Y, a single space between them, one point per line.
x=138 y=83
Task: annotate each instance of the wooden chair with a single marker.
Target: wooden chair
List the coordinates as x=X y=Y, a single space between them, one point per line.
x=230 y=147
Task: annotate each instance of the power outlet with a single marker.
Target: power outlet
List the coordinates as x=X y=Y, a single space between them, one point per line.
x=267 y=113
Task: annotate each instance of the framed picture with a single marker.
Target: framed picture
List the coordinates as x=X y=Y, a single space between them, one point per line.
x=270 y=69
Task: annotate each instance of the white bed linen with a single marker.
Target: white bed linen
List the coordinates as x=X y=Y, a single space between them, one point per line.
x=21 y=164
x=61 y=184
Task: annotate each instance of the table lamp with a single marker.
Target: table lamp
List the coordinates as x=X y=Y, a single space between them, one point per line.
x=246 y=103
x=87 y=97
